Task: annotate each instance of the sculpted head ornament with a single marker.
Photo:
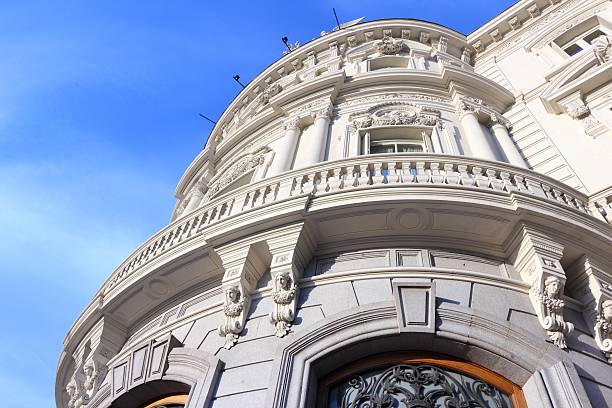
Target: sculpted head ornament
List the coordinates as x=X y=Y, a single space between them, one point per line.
x=552 y=285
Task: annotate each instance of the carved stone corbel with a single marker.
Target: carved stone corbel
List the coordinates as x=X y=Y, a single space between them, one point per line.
x=244 y=265
x=590 y=284
x=291 y=250
x=91 y=358
x=575 y=108
x=536 y=257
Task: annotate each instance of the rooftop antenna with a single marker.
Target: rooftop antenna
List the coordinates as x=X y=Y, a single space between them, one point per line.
x=286 y=42
x=237 y=79
x=335 y=15
x=208 y=119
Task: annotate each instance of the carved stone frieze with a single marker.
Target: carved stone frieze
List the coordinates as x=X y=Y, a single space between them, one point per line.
x=236 y=170
x=393 y=114
x=393 y=97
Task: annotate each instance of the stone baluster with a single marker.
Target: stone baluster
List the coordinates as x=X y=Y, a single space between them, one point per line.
x=283 y=157
x=364 y=175
x=496 y=183
x=477 y=137
x=421 y=173
x=436 y=176
x=451 y=176
x=377 y=174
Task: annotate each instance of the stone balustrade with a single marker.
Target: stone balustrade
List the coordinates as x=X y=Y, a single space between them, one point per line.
x=600 y=205
x=373 y=171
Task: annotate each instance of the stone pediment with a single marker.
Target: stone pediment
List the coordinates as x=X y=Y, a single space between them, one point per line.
x=586 y=73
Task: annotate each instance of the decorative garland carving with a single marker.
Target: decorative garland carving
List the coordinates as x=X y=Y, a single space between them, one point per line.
x=239 y=168
x=233 y=310
x=283 y=297
x=549 y=309
x=395 y=114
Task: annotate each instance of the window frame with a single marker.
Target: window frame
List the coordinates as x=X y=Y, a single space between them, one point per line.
x=439 y=360
x=424 y=142
x=580 y=41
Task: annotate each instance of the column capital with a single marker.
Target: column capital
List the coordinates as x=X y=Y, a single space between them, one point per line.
x=323 y=112
x=292 y=123
x=464 y=109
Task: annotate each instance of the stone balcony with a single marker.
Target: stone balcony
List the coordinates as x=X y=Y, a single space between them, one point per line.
x=456 y=175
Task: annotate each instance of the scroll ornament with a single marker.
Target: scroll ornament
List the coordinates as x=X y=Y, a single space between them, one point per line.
x=284 y=293
x=233 y=309
x=550 y=311
x=603 y=329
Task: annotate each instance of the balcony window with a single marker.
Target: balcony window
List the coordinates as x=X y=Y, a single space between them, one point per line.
x=579 y=42
x=396 y=139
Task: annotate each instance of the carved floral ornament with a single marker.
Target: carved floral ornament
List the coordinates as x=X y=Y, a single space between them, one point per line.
x=238 y=169
x=396 y=114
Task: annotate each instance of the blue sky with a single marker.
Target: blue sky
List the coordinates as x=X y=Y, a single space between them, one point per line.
x=99 y=104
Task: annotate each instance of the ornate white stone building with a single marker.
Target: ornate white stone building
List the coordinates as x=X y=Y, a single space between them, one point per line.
x=392 y=214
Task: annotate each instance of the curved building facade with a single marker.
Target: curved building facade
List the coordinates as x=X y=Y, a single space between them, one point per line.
x=391 y=215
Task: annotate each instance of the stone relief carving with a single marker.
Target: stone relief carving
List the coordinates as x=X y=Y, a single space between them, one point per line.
x=603 y=329
x=239 y=168
x=233 y=309
x=389 y=46
x=392 y=96
x=549 y=310
x=283 y=296
x=396 y=114
x=579 y=111
x=268 y=92
x=602 y=48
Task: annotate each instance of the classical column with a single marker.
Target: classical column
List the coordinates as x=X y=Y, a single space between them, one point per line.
x=500 y=131
x=316 y=144
x=283 y=157
x=477 y=137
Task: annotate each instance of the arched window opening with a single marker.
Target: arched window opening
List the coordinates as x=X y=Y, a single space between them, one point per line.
x=172 y=401
x=417 y=381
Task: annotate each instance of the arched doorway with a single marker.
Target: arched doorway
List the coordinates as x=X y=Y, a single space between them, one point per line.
x=416 y=380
